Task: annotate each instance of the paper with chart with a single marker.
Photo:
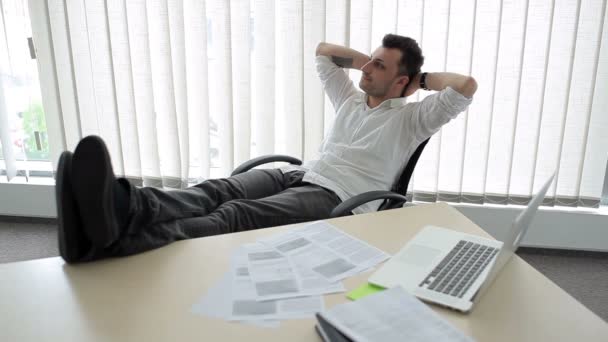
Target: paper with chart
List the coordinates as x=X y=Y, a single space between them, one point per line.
x=245 y=306
x=285 y=276
x=233 y=298
x=274 y=276
x=217 y=303
x=322 y=249
x=391 y=315
x=355 y=250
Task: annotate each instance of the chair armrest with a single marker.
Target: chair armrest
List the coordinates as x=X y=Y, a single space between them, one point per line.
x=250 y=164
x=347 y=206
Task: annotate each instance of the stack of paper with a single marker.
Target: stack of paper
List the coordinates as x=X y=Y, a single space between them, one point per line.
x=390 y=315
x=284 y=276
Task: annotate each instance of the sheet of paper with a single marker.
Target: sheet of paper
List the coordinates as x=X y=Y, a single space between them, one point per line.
x=274 y=276
x=233 y=298
x=391 y=315
x=218 y=301
x=245 y=305
x=326 y=251
x=271 y=272
x=301 y=307
x=355 y=250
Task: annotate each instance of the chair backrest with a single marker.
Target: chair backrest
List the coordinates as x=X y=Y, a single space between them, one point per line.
x=402 y=183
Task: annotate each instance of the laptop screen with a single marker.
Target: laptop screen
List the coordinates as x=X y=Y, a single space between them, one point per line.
x=518 y=230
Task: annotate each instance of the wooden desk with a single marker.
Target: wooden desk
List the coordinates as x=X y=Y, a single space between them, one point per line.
x=147 y=297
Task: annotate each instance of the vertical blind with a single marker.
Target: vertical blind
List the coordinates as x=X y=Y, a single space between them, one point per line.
x=185 y=90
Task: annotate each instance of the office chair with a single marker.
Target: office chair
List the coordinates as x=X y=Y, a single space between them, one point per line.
x=395 y=198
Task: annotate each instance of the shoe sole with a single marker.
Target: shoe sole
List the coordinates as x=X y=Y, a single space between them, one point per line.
x=93 y=180
x=73 y=244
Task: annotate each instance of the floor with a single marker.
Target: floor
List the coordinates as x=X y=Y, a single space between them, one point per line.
x=584 y=275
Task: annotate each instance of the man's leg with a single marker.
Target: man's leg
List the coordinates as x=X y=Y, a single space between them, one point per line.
x=106 y=208
x=149 y=206
x=294 y=205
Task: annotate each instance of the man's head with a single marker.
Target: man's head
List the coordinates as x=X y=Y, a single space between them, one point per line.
x=391 y=67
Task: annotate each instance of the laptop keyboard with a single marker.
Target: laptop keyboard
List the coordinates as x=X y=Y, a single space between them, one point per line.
x=459 y=269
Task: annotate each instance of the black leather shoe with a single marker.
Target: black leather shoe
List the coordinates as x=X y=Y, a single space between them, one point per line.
x=73 y=244
x=93 y=182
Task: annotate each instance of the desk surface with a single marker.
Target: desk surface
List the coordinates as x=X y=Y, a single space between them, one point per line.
x=147 y=297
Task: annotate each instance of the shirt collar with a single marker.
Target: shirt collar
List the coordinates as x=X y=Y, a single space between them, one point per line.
x=396 y=102
x=391 y=103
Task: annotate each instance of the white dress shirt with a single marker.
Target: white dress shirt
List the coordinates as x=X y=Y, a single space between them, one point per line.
x=367 y=148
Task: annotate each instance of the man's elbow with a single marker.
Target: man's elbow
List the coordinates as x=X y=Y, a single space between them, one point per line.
x=469 y=87
x=321 y=48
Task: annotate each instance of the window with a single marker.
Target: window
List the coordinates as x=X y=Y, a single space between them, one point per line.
x=24 y=139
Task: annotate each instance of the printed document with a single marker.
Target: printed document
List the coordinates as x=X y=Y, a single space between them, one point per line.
x=391 y=315
x=274 y=276
x=321 y=248
x=233 y=298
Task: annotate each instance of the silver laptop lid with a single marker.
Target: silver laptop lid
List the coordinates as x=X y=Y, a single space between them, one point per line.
x=523 y=220
x=518 y=230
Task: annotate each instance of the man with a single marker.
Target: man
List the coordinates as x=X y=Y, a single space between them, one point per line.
x=374 y=134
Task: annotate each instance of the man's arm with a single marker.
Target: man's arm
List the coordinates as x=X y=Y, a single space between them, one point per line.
x=465 y=85
x=438 y=109
x=342 y=56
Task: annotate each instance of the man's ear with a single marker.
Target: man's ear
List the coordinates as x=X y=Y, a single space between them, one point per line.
x=403 y=80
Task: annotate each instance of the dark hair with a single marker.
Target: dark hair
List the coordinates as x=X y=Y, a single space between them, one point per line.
x=411 y=55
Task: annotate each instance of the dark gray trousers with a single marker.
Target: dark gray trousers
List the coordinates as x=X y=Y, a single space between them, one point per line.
x=251 y=200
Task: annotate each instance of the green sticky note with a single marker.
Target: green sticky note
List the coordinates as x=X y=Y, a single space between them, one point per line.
x=364 y=290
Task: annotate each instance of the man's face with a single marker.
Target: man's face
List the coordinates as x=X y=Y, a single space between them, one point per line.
x=380 y=74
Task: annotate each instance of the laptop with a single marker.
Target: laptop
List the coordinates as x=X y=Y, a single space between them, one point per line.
x=454 y=269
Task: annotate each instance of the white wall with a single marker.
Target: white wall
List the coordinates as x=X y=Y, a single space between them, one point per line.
x=551 y=228
x=25 y=199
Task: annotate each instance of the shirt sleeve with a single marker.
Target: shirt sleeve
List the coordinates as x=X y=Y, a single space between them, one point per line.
x=338 y=86
x=436 y=110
